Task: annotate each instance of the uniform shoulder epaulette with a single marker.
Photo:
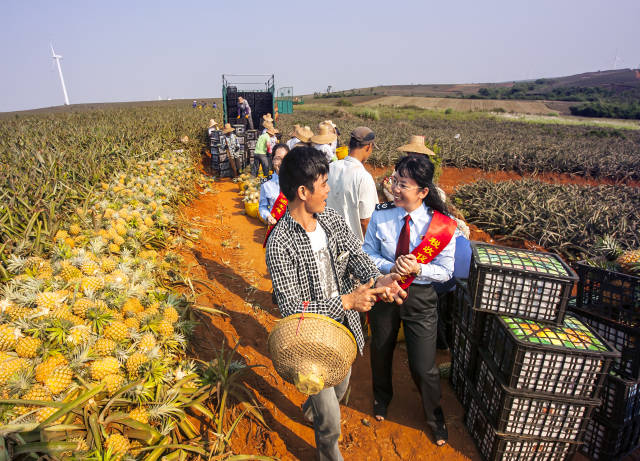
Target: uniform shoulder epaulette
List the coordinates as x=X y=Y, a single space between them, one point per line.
x=269 y=177
x=385 y=206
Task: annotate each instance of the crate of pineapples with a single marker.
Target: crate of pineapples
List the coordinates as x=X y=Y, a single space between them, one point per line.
x=93 y=338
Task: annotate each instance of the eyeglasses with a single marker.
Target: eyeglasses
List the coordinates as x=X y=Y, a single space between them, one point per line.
x=402 y=186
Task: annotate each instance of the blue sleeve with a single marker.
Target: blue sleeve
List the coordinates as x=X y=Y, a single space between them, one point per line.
x=372 y=246
x=263 y=207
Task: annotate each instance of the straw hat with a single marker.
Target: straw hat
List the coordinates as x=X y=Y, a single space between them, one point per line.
x=228 y=128
x=296 y=127
x=304 y=134
x=212 y=123
x=325 y=136
x=267 y=117
x=312 y=351
x=329 y=122
x=416 y=146
x=272 y=131
x=267 y=125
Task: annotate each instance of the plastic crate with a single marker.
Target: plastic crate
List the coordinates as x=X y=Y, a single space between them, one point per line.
x=530 y=414
x=252 y=135
x=520 y=283
x=620 y=400
x=471 y=320
x=460 y=383
x=251 y=144
x=239 y=129
x=570 y=360
x=623 y=338
x=611 y=294
x=463 y=349
x=610 y=442
x=494 y=445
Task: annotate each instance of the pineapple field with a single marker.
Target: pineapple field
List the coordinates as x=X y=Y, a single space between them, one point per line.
x=135 y=302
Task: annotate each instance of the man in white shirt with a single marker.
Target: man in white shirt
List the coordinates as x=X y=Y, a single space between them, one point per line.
x=353 y=192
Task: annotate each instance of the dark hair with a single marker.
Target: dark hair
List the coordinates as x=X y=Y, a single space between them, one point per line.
x=355 y=144
x=420 y=169
x=301 y=167
x=280 y=145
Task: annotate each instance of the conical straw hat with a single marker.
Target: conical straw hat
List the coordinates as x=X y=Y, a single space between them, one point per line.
x=312 y=351
x=325 y=136
x=416 y=146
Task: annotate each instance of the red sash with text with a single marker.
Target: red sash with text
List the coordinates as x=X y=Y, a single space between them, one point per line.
x=277 y=211
x=438 y=236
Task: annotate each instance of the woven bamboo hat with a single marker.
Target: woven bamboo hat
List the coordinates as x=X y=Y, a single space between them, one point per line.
x=228 y=128
x=416 y=146
x=267 y=117
x=312 y=351
x=212 y=123
x=325 y=136
x=304 y=134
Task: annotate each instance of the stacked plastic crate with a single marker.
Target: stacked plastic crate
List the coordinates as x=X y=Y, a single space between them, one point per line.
x=250 y=145
x=219 y=163
x=527 y=375
x=609 y=302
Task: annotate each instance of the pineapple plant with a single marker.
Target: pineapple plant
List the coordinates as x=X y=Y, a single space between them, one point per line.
x=629 y=261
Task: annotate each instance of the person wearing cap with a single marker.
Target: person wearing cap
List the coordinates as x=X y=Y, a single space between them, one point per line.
x=269 y=190
x=263 y=149
x=353 y=191
x=244 y=112
x=229 y=142
x=322 y=141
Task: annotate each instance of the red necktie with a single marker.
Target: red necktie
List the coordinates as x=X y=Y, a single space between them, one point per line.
x=403 y=241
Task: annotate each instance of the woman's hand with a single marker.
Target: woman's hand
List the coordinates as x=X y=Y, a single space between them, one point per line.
x=271 y=220
x=407 y=265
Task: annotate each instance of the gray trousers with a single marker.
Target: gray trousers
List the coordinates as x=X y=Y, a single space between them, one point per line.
x=323 y=409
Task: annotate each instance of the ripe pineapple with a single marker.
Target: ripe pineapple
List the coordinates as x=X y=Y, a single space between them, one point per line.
x=630 y=261
x=59 y=379
x=10 y=367
x=139 y=414
x=147 y=342
x=116 y=331
x=103 y=367
x=132 y=305
x=134 y=362
x=44 y=369
x=45 y=412
x=108 y=264
x=91 y=284
x=113 y=248
x=113 y=382
x=104 y=346
x=165 y=328
x=89 y=267
x=80 y=307
x=132 y=323
x=121 y=229
x=74 y=229
x=79 y=335
x=70 y=272
x=9 y=336
x=49 y=299
x=171 y=314
x=118 y=240
x=28 y=347
x=61 y=235
x=19 y=313
x=118 y=444
x=37 y=392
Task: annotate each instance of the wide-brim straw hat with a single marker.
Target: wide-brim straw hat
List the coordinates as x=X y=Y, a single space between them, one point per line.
x=329 y=122
x=212 y=123
x=228 y=128
x=272 y=131
x=304 y=134
x=267 y=117
x=416 y=146
x=325 y=136
x=292 y=133
x=312 y=351
x=267 y=125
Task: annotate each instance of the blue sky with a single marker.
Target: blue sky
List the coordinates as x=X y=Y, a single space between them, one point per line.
x=139 y=50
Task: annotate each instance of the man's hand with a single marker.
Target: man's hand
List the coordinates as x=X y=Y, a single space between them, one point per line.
x=392 y=290
x=407 y=265
x=362 y=298
x=271 y=220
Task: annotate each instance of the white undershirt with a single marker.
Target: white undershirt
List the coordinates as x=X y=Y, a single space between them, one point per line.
x=320 y=250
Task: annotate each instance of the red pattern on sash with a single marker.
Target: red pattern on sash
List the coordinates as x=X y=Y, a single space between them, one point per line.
x=277 y=211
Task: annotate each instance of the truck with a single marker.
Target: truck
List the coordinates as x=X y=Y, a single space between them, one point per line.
x=258 y=90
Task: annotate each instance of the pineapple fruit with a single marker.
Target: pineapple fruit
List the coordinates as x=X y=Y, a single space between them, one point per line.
x=630 y=261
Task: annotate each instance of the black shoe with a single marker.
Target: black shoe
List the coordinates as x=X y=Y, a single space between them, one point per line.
x=379 y=410
x=440 y=432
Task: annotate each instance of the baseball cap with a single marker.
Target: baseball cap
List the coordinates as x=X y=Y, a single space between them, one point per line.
x=364 y=134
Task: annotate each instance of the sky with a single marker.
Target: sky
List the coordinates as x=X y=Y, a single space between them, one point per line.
x=141 y=50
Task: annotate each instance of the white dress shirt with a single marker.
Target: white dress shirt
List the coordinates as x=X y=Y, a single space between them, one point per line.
x=382 y=238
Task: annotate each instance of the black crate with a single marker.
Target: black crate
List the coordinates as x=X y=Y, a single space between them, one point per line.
x=463 y=349
x=471 y=320
x=460 y=383
x=620 y=400
x=610 y=442
x=623 y=338
x=251 y=144
x=520 y=283
x=223 y=157
x=494 y=445
x=527 y=413
x=571 y=360
x=611 y=294
x=252 y=135
x=239 y=129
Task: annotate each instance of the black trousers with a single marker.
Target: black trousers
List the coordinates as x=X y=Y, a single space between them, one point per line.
x=261 y=159
x=419 y=316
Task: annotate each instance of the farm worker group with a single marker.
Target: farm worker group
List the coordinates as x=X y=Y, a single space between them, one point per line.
x=334 y=250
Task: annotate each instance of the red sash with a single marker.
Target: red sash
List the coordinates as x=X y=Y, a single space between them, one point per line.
x=279 y=207
x=438 y=236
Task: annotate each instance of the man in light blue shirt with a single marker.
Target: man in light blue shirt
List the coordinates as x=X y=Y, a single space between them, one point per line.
x=270 y=190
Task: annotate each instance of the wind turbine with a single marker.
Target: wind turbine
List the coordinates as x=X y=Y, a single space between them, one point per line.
x=57 y=58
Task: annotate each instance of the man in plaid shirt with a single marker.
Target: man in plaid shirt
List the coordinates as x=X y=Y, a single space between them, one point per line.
x=316 y=261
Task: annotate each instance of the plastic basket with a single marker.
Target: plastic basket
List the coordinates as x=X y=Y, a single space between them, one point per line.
x=620 y=400
x=623 y=338
x=611 y=294
x=610 y=442
x=471 y=320
x=520 y=283
x=530 y=414
x=570 y=360
x=251 y=209
x=494 y=445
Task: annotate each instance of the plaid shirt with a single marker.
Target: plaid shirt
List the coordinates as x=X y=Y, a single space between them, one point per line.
x=295 y=275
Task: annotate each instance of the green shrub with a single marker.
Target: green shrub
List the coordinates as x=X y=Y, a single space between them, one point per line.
x=448 y=110
x=368 y=114
x=344 y=103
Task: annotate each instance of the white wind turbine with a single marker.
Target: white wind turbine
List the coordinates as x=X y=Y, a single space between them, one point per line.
x=57 y=58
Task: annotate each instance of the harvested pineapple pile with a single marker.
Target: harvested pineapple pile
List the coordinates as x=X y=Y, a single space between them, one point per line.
x=92 y=340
